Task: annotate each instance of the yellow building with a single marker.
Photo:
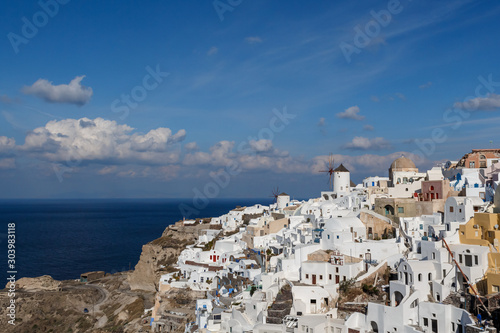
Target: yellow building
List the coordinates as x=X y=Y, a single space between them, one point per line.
x=483 y=229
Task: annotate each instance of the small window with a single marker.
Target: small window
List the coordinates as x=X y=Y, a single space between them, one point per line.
x=419 y=277
x=401 y=210
x=496 y=289
x=329 y=276
x=460 y=258
x=431 y=188
x=476 y=260
x=426 y=322
x=307 y=276
x=451 y=209
x=321 y=277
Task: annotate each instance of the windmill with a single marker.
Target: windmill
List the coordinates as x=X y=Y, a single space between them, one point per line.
x=276 y=193
x=330 y=171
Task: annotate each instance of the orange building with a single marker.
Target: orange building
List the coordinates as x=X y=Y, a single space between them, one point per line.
x=480 y=158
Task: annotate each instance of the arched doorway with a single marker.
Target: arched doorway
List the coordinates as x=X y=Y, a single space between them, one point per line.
x=397 y=298
x=389 y=210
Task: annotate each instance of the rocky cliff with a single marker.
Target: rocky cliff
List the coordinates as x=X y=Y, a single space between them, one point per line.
x=163 y=251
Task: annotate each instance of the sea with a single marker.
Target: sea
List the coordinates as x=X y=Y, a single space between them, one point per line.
x=65 y=238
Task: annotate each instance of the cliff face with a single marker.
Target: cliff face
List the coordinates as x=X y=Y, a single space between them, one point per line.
x=162 y=251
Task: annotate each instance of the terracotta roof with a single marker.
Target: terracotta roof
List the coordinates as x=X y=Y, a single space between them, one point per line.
x=283 y=194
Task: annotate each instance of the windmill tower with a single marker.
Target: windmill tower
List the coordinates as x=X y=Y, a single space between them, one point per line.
x=342 y=179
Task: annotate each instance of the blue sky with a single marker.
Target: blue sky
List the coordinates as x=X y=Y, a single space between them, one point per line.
x=413 y=83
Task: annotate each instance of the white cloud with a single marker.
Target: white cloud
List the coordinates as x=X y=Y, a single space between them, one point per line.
x=261 y=145
x=321 y=122
x=425 y=85
x=191 y=146
x=491 y=102
x=368 y=128
x=253 y=40
x=107 y=170
x=219 y=155
x=254 y=155
x=6 y=144
x=213 y=50
x=362 y=143
x=351 y=113
x=375 y=99
x=401 y=96
x=101 y=141
x=72 y=93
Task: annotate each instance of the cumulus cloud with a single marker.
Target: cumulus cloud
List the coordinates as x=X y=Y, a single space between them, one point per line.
x=219 y=155
x=252 y=155
x=253 y=40
x=261 y=145
x=72 y=93
x=6 y=144
x=488 y=103
x=213 y=50
x=351 y=113
x=101 y=141
x=362 y=143
x=368 y=127
x=425 y=85
x=191 y=146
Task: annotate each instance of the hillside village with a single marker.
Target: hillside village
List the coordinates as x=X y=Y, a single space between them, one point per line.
x=417 y=251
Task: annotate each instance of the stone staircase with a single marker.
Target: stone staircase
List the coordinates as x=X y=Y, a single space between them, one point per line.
x=281 y=306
